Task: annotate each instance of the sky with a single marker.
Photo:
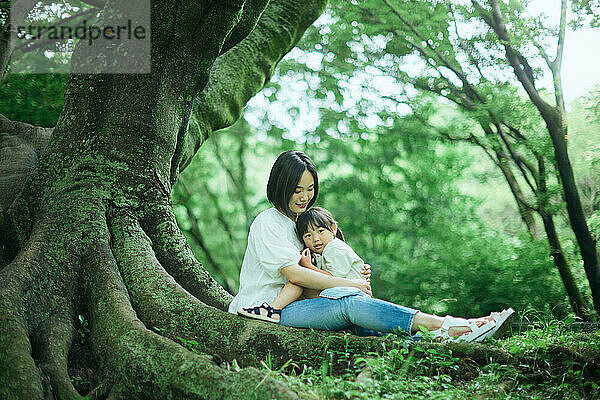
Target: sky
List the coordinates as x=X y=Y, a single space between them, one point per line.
x=581 y=57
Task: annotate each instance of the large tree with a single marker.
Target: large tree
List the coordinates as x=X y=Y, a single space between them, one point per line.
x=88 y=229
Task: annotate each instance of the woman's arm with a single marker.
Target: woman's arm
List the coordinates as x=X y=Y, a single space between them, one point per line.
x=313 y=280
x=313 y=268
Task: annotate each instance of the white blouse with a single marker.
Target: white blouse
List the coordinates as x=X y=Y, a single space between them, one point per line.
x=340 y=260
x=272 y=245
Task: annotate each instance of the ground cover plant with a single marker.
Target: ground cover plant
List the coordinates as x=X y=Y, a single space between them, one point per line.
x=547 y=362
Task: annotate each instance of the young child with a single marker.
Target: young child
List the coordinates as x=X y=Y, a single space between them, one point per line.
x=319 y=232
x=317 y=229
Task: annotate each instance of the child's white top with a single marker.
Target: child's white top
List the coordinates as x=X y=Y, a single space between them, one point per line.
x=272 y=245
x=340 y=260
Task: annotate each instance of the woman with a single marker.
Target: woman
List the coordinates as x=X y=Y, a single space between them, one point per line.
x=271 y=260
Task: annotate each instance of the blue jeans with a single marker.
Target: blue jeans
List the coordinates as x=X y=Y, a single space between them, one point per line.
x=348 y=310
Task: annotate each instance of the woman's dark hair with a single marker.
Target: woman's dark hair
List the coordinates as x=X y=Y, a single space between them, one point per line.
x=317 y=217
x=285 y=175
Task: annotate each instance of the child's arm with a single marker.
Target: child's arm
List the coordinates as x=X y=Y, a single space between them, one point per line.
x=306 y=262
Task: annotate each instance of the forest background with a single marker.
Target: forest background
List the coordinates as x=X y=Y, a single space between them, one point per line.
x=425 y=205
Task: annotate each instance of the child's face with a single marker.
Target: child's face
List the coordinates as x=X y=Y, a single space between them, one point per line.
x=317 y=237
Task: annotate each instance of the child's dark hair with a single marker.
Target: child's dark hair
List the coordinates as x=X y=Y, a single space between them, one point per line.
x=316 y=217
x=284 y=177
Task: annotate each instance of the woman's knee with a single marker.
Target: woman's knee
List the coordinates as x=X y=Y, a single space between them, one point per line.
x=319 y=313
x=351 y=304
x=356 y=298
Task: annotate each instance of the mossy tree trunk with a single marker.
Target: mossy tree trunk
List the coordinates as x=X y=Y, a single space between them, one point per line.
x=90 y=230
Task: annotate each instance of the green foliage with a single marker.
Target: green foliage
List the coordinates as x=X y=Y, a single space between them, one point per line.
x=550 y=333
x=35 y=99
x=587 y=11
x=429 y=372
x=189 y=344
x=83 y=329
x=428 y=246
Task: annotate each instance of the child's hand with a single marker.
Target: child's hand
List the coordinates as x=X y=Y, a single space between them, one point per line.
x=305 y=260
x=366 y=272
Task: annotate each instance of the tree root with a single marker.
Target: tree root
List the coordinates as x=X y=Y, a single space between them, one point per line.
x=36 y=296
x=479 y=353
x=37 y=137
x=175 y=255
x=27 y=299
x=19 y=376
x=54 y=341
x=565 y=353
x=17 y=159
x=147 y=365
x=20 y=147
x=161 y=302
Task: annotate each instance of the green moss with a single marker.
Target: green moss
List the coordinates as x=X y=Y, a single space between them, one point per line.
x=436 y=373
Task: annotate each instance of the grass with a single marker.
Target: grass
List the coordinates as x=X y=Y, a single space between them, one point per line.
x=560 y=365
x=554 y=363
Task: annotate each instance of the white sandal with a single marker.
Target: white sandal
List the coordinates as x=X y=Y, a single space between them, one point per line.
x=476 y=334
x=502 y=321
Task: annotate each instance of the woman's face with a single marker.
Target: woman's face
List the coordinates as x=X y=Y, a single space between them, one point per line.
x=305 y=191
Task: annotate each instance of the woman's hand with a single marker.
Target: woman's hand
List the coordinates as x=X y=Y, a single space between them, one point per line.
x=366 y=272
x=363 y=285
x=305 y=260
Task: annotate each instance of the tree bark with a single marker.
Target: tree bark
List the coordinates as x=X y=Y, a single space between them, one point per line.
x=562 y=264
x=556 y=126
x=106 y=172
